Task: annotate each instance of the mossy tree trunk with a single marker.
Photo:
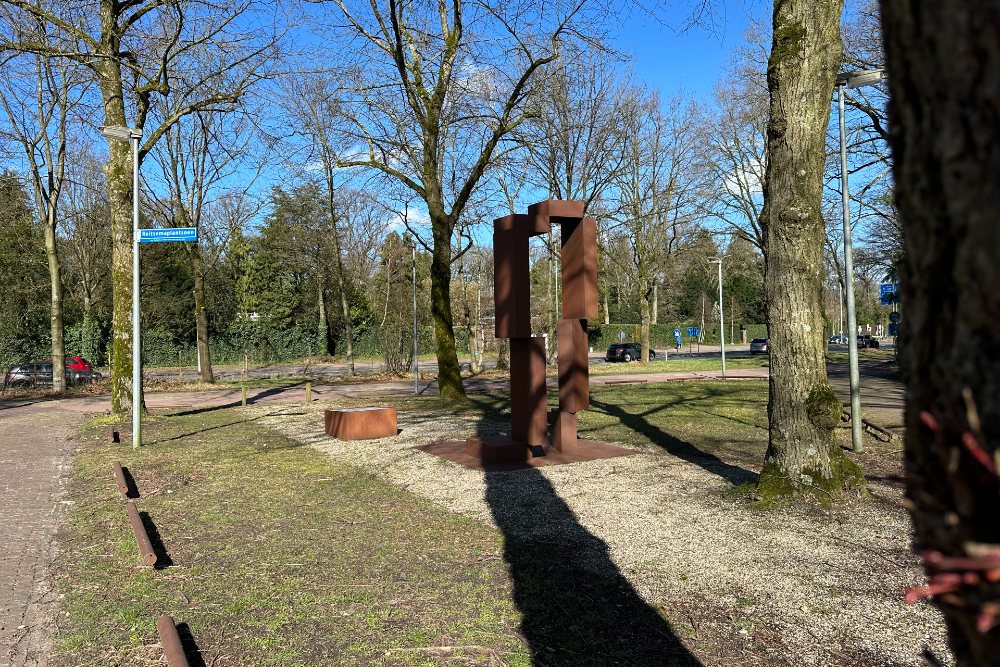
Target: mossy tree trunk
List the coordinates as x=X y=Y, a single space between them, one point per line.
x=943 y=60
x=803 y=454
x=201 y=315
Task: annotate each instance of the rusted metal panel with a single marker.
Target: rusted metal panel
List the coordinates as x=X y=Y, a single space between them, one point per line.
x=564 y=430
x=528 y=400
x=173 y=649
x=574 y=371
x=579 y=269
x=558 y=211
x=497 y=449
x=365 y=423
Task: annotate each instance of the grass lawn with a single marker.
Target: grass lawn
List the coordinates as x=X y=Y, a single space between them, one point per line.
x=277 y=556
x=677 y=364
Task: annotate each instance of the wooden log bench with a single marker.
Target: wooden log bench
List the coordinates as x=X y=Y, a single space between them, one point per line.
x=361 y=423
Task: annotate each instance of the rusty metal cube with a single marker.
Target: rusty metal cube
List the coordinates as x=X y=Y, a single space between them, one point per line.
x=361 y=423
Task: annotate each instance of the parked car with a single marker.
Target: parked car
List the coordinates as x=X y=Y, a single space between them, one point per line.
x=39 y=374
x=866 y=340
x=760 y=346
x=839 y=339
x=627 y=352
x=78 y=364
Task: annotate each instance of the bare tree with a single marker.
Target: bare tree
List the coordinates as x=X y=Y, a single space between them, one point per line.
x=438 y=89
x=203 y=157
x=136 y=52
x=38 y=96
x=312 y=100
x=657 y=189
x=803 y=454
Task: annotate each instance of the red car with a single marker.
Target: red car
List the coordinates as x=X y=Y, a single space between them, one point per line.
x=78 y=364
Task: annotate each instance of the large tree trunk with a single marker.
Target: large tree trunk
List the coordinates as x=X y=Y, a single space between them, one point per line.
x=322 y=326
x=656 y=301
x=803 y=454
x=56 y=305
x=201 y=316
x=945 y=96
x=449 y=371
x=119 y=174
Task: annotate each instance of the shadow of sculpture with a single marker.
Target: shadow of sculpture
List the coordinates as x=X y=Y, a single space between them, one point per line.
x=578 y=608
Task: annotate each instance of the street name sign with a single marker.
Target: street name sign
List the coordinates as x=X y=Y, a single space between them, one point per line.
x=694 y=332
x=888 y=293
x=168 y=235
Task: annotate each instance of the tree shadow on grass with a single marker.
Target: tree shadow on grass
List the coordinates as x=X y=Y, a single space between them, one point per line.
x=680 y=448
x=578 y=609
x=251 y=399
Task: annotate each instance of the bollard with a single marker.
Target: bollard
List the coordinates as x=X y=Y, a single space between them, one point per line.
x=309 y=392
x=244 y=396
x=120 y=478
x=141 y=538
x=113 y=436
x=173 y=650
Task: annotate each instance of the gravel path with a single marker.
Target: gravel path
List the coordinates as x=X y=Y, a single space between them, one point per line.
x=796 y=587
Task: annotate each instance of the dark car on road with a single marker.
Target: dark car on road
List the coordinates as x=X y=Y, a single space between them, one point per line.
x=760 y=346
x=627 y=352
x=23 y=376
x=865 y=340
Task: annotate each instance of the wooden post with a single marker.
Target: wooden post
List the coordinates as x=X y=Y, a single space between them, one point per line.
x=180 y=368
x=309 y=392
x=244 y=396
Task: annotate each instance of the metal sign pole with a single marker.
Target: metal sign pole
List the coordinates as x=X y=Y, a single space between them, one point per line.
x=136 y=343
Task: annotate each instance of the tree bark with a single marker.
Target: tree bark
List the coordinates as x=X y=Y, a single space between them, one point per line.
x=201 y=316
x=118 y=170
x=449 y=372
x=944 y=96
x=56 y=306
x=803 y=454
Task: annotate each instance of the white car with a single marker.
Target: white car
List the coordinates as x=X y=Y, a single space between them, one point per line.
x=839 y=339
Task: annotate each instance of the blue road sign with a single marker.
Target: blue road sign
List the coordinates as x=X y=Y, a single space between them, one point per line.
x=166 y=235
x=694 y=332
x=888 y=293
x=893 y=329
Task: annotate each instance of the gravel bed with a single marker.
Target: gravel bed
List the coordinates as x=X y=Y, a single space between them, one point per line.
x=800 y=586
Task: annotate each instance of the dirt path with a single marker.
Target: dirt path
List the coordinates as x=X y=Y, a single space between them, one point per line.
x=35 y=455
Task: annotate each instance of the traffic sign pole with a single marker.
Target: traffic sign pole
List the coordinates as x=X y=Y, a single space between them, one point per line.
x=136 y=342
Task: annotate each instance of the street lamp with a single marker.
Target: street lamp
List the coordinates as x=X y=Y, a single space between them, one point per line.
x=851 y=80
x=133 y=135
x=410 y=241
x=722 y=322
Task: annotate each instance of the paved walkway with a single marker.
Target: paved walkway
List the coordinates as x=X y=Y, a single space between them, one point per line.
x=35 y=453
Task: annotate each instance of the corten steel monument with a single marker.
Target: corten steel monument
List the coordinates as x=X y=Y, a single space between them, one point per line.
x=512 y=297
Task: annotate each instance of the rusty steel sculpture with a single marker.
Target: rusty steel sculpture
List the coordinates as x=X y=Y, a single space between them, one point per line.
x=512 y=297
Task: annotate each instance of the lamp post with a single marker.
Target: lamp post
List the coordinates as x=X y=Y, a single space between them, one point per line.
x=722 y=322
x=851 y=80
x=130 y=134
x=410 y=241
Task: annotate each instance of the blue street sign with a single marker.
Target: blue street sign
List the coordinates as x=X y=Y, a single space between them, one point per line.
x=888 y=293
x=165 y=235
x=694 y=332
x=893 y=329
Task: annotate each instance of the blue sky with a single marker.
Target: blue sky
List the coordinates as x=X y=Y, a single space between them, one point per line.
x=667 y=57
